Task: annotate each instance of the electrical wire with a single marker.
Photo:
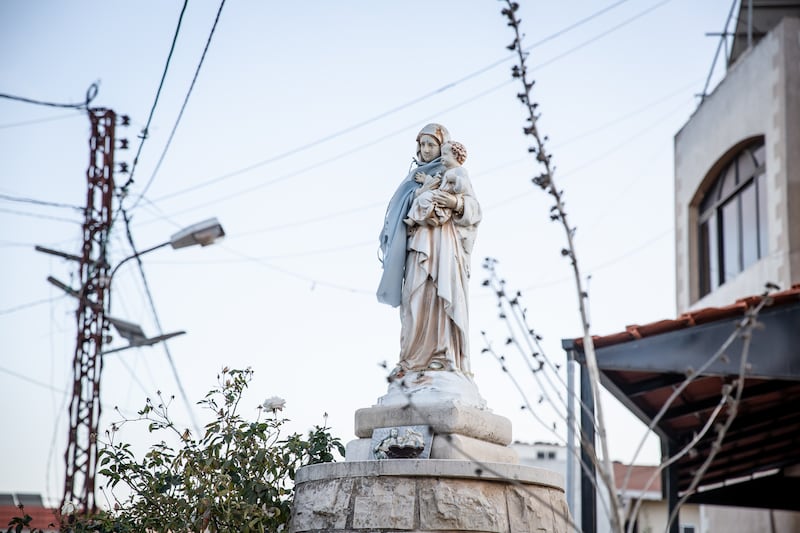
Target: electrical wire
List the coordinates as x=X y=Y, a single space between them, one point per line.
x=145 y=131
x=30 y=304
x=324 y=162
x=183 y=108
x=306 y=221
x=267 y=183
x=601 y=35
x=37 y=215
x=38 y=202
x=627 y=21
x=400 y=107
x=31 y=380
x=601 y=266
x=91 y=93
x=37 y=121
x=16 y=244
x=305 y=253
x=158 y=322
x=313 y=282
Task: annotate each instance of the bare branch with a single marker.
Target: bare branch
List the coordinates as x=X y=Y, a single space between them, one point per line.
x=545 y=182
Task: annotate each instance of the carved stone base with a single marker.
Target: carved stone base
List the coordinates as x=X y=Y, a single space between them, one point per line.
x=444 y=417
x=428 y=495
x=444 y=447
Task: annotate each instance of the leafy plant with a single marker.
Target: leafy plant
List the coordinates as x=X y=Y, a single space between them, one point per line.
x=238 y=477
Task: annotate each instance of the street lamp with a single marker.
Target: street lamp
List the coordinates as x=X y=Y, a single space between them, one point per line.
x=81 y=454
x=202 y=233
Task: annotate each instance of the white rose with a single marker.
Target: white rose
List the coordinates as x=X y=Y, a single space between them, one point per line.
x=68 y=508
x=274 y=404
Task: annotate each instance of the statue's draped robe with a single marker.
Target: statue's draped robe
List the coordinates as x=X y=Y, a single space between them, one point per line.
x=434 y=295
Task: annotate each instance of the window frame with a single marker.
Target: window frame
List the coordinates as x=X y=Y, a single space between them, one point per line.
x=714 y=231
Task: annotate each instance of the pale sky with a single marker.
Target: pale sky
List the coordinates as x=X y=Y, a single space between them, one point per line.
x=300 y=126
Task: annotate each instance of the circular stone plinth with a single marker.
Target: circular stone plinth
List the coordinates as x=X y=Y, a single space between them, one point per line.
x=428 y=495
x=432 y=468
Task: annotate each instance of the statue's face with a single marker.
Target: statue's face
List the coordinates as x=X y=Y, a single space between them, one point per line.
x=428 y=148
x=448 y=159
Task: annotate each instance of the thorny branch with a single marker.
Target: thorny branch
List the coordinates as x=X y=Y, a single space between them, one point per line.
x=482 y=467
x=745 y=327
x=513 y=307
x=743 y=330
x=535 y=351
x=558 y=213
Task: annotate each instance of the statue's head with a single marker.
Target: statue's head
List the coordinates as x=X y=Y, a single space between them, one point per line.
x=453 y=154
x=430 y=140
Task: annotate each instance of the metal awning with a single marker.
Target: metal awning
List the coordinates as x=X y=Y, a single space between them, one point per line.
x=757 y=460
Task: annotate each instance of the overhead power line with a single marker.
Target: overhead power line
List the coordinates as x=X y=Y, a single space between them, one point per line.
x=183 y=108
x=158 y=322
x=37 y=215
x=91 y=93
x=403 y=106
x=145 y=132
x=30 y=304
x=36 y=121
x=38 y=202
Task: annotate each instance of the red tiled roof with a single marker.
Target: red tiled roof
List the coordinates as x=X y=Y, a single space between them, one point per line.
x=640 y=475
x=693 y=318
x=42 y=516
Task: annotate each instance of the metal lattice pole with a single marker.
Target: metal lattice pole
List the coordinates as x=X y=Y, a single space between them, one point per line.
x=84 y=408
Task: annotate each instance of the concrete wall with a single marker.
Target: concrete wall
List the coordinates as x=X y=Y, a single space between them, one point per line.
x=729 y=519
x=760 y=96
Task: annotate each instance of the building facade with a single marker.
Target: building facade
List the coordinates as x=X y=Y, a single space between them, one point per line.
x=737 y=178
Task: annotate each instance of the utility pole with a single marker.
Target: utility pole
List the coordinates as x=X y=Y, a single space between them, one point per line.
x=84 y=408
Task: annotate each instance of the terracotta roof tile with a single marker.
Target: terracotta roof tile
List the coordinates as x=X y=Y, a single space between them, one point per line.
x=693 y=318
x=42 y=516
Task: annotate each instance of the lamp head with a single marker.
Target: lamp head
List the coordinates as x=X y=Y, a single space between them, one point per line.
x=202 y=233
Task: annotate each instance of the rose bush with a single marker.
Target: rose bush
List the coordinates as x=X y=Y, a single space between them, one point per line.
x=238 y=477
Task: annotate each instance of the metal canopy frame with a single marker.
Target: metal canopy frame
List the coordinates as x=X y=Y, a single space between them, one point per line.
x=750 y=469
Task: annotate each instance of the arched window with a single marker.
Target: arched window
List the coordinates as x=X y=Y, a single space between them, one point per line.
x=733 y=219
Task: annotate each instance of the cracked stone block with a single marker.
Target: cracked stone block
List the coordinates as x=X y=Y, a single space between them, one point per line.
x=449 y=504
x=322 y=505
x=384 y=503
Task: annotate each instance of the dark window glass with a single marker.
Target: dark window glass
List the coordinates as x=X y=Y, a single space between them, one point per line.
x=728 y=183
x=758 y=153
x=729 y=231
x=732 y=214
x=747 y=198
x=709 y=259
x=747 y=166
x=762 y=215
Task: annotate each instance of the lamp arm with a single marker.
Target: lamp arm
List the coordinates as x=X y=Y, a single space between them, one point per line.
x=156 y=247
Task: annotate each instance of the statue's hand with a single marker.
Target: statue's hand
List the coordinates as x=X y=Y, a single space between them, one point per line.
x=445 y=199
x=420 y=177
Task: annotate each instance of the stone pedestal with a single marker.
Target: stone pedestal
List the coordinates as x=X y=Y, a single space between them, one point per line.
x=457 y=472
x=428 y=495
x=460 y=431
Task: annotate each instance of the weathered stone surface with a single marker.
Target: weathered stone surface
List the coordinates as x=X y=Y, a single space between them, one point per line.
x=428 y=495
x=529 y=510
x=449 y=447
x=384 y=503
x=322 y=505
x=469 y=449
x=444 y=417
x=358 y=450
x=415 y=468
x=462 y=505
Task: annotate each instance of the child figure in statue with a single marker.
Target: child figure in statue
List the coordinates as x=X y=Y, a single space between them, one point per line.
x=424 y=209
